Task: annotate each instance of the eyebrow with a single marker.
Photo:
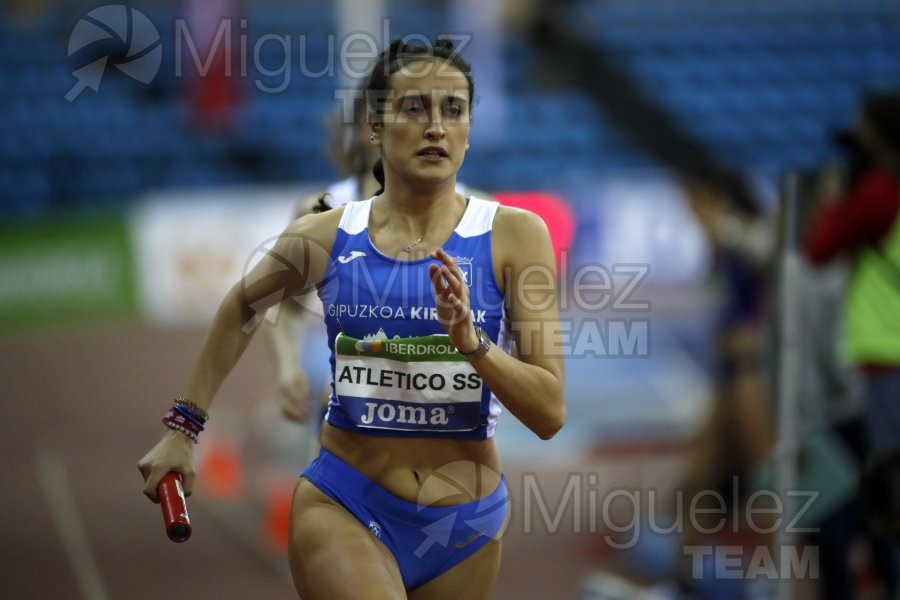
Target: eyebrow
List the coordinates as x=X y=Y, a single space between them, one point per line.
x=453 y=97
x=457 y=98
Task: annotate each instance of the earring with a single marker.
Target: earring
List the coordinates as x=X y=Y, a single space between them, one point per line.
x=372 y=138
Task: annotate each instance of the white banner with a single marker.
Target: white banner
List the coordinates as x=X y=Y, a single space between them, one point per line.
x=192 y=246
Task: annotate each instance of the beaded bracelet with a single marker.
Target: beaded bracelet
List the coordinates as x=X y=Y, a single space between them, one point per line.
x=184 y=402
x=189 y=415
x=174 y=424
x=187 y=418
x=178 y=422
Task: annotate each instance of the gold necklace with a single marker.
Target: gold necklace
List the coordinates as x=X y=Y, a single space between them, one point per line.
x=409 y=247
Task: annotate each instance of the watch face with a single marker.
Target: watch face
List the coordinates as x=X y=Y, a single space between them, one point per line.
x=484 y=344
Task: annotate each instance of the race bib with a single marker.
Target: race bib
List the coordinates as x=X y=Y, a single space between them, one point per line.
x=407 y=384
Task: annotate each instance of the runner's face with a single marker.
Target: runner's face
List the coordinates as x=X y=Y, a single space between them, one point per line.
x=424 y=130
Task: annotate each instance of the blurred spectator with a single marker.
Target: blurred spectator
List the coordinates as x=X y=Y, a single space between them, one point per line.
x=733 y=450
x=214 y=94
x=829 y=439
x=736 y=438
x=739 y=435
x=863 y=224
x=831 y=431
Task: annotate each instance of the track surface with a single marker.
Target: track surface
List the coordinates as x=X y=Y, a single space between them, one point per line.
x=81 y=407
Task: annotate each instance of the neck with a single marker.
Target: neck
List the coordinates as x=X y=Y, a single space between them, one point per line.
x=415 y=211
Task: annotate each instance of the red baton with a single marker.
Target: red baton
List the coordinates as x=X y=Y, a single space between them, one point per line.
x=174 y=507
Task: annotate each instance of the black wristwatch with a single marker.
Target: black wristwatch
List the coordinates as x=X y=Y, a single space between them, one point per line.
x=484 y=344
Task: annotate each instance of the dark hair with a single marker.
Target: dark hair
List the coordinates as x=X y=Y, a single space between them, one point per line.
x=398 y=54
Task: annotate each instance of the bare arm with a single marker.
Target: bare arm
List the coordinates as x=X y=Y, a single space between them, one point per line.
x=298 y=260
x=530 y=386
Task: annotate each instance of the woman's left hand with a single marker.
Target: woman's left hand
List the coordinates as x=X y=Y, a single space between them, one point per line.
x=451 y=295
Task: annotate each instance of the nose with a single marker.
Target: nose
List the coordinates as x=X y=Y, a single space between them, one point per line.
x=435 y=129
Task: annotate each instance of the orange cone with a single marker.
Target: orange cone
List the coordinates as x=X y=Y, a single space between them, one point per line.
x=277 y=514
x=220 y=470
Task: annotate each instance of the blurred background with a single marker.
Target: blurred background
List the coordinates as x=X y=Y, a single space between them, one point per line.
x=149 y=150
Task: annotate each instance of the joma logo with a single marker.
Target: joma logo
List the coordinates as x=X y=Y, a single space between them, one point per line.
x=404 y=413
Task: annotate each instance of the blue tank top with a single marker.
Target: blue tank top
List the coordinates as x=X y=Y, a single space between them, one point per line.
x=394 y=372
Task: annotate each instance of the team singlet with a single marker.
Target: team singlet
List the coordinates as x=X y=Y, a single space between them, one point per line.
x=394 y=371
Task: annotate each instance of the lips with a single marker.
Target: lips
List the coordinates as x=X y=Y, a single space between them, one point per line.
x=433 y=152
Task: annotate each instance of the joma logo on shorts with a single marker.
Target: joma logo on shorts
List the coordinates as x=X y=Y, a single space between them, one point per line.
x=404 y=413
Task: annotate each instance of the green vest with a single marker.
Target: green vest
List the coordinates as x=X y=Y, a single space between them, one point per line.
x=873 y=303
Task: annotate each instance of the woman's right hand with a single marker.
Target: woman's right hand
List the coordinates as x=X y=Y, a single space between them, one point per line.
x=174 y=452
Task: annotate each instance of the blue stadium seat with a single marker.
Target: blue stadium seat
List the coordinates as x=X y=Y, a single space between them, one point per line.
x=760 y=81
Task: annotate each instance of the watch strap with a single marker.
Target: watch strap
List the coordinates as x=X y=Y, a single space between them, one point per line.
x=484 y=344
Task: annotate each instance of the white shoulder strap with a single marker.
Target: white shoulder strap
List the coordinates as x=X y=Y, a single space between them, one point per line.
x=478 y=218
x=356 y=216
